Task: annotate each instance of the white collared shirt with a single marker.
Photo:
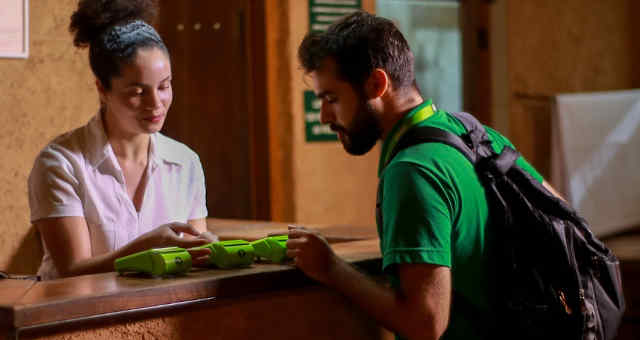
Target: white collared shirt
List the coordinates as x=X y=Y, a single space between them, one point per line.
x=77 y=174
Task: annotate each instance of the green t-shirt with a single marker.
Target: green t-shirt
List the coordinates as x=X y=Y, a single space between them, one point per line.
x=434 y=211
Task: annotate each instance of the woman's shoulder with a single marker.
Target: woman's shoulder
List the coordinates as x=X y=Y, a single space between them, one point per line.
x=69 y=145
x=60 y=158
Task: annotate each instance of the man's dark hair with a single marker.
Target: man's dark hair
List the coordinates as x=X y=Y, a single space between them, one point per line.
x=360 y=43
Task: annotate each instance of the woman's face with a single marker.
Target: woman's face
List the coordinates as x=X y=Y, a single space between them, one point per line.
x=140 y=96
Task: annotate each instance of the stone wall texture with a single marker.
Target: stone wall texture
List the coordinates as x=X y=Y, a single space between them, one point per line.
x=48 y=93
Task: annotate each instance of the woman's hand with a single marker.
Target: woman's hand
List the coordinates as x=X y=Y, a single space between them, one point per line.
x=209 y=236
x=173 y=234
x=69 y=243
x=181 y=235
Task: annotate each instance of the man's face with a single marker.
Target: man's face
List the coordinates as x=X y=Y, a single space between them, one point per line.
x=345 y=110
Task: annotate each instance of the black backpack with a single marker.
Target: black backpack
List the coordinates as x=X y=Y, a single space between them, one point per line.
x=556 y=280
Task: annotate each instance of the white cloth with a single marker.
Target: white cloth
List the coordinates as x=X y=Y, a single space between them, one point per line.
x=596 y=157
x=77 y=174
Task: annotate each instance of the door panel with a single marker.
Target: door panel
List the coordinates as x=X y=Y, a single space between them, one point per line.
x=213 y=104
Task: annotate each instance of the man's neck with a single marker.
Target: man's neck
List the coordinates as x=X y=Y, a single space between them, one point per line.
x=396 y=107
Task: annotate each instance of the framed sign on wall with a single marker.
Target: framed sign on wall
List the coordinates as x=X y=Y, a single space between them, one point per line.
x=14 y=28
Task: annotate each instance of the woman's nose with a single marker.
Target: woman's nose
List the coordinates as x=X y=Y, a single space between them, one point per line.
x=153 y=100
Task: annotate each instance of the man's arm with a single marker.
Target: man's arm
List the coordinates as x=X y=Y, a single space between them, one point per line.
x=419 y=309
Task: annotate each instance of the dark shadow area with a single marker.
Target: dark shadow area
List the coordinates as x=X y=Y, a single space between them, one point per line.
x=27 y=258
x=634 y=38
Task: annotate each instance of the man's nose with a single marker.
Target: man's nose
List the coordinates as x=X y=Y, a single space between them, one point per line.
x=326 y=114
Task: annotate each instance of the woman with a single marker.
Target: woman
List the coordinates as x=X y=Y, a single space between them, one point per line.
x=116 y=185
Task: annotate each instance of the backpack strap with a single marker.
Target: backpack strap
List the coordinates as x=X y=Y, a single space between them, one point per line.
x=476 y=136
x=426 y=134
x=474 y=145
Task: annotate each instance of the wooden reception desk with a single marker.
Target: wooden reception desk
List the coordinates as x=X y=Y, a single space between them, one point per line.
x=265 y=301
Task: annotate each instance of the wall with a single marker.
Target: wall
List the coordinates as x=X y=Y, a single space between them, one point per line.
x=52 y=91
x=314 y=182
x=499 y=66
x=565 y=46
x=40 y=97
x=550 y=47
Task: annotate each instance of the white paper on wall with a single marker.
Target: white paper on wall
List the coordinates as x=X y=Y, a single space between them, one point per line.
x=596 y=157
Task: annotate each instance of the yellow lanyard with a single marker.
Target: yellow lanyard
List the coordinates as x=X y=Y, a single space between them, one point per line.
x=425 y=111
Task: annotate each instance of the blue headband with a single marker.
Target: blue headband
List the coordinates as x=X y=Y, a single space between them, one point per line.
x=120 y=39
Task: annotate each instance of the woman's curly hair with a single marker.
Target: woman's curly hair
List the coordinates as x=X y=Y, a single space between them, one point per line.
x=94 y=17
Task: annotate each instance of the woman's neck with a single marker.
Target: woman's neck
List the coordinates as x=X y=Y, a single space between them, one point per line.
x=131 y=149
x=126 y=146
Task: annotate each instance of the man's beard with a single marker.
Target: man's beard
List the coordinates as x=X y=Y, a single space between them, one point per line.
x=364 y=131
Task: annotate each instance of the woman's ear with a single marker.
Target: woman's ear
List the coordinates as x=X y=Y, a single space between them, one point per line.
x=377 y=84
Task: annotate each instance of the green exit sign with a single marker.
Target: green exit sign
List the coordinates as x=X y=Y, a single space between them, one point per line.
x=323 y=13
x=315 y=131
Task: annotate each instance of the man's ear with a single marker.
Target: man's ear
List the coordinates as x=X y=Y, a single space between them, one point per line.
x=377 y=84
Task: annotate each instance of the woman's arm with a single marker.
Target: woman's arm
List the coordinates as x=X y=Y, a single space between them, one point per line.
x=69 y=243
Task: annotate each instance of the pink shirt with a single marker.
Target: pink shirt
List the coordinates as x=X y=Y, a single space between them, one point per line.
x=77 y=174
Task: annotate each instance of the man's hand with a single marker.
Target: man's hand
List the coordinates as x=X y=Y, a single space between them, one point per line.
x=311 y=253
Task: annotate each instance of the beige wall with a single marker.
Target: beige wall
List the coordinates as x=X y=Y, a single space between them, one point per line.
x=52 y=92
x=315 y=182
x=331 y=186
x=40 y=97
x=565 y=46
x=550 y=47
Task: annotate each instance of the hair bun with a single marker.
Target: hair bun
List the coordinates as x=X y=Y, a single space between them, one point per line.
x=93 y=17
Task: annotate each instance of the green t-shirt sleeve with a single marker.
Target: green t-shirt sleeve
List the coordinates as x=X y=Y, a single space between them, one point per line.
x=500 y=141
x=416 y=223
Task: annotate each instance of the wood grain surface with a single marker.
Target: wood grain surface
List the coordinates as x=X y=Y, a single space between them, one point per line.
x=230 y=229
x=31 y=304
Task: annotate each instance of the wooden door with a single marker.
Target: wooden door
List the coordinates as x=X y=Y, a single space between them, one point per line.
x=477 y=59
x=218 y=70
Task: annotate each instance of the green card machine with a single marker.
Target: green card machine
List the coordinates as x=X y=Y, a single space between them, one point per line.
x=156 y=262
x=230 y=254
x=272 y=248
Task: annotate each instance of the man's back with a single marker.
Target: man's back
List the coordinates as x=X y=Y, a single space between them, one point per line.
x=434 y=210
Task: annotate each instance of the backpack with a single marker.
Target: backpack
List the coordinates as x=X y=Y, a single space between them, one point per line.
x=556 y=280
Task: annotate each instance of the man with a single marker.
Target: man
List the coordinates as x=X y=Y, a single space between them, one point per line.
x=434 y=215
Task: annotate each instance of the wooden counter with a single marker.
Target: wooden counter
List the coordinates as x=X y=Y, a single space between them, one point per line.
x=85 y=305
x=266 y=301
x=228 y=229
